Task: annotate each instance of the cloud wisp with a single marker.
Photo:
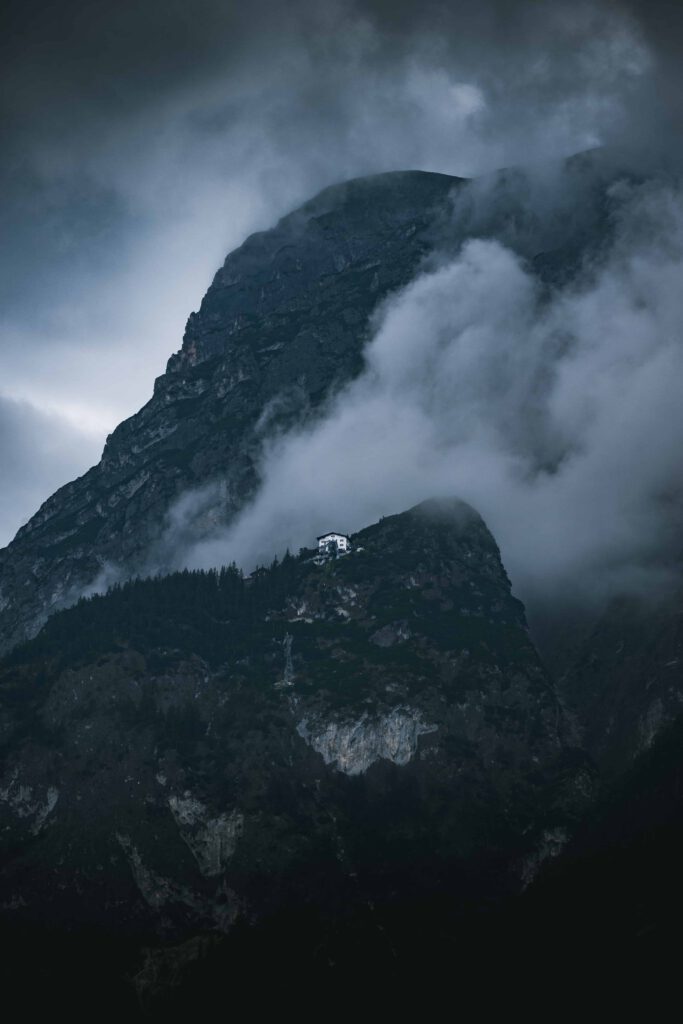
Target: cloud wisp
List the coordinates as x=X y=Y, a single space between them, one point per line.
x=146 y=140
x=556 y=413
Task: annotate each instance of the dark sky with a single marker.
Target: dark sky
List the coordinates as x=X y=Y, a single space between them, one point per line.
x=141 y=141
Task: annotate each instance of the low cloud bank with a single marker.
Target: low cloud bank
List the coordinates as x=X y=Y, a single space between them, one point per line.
x=557 y=414
x=154 y=138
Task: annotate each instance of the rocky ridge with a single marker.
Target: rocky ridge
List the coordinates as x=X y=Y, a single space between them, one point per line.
x=282 y=324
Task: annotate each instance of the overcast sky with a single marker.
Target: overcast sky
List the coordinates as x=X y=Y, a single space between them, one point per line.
x=142 y=141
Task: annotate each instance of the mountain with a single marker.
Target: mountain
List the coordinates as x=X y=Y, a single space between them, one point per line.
x=192 y=753
x=282 y=324
x=336 y=764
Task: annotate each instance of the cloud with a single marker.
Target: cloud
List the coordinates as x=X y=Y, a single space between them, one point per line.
x=556 y=413
x=141 y=142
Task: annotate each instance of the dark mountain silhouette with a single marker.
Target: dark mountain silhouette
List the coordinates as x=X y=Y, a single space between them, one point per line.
x=347 y=767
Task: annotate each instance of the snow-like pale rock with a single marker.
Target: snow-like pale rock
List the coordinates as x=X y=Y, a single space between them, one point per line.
x=352 y=746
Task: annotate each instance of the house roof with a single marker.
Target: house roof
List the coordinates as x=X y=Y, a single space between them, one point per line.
x=332 y=533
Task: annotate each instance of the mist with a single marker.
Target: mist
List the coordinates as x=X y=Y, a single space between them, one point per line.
x=554 y=411
x=143 y=142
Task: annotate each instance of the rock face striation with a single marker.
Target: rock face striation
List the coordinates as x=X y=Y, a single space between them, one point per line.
x=161 y=776
x=284 y=321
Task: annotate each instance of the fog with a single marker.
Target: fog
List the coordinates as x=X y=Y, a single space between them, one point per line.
x=555 y=411
x=141 y=142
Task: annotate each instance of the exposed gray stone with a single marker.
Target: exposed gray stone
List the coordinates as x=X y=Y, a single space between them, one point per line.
x=212 y=840
x=352 y=746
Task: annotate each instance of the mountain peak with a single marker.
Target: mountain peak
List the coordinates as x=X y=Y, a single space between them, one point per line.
x=283 y=324
x=346 y=227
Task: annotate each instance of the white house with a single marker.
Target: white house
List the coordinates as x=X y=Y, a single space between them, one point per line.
x=328 y=541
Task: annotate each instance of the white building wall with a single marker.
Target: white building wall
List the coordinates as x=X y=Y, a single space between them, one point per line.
x=339 y=539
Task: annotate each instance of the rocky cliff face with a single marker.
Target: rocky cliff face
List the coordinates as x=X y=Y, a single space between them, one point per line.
x=284 y=321
x=337 y=727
